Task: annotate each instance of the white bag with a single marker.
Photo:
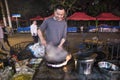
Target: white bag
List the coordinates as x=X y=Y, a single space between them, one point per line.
x=38 y=50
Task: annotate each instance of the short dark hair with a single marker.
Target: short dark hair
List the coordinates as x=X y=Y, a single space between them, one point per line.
x=61 y=7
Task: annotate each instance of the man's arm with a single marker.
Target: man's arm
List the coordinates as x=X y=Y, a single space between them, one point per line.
x=40 y=34
x=62 y=42
x=64 y=37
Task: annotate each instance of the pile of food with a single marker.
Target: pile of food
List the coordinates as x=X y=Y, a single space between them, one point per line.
x=22 y=77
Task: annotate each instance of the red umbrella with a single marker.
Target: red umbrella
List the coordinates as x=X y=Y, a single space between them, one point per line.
x=80 y=16
x=37 y=18
x=107 y=16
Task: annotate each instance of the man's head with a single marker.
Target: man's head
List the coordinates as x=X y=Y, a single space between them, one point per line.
x=59 y=12
x=34 y=22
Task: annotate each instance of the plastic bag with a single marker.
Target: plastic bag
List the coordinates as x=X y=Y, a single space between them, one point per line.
x=37 y=50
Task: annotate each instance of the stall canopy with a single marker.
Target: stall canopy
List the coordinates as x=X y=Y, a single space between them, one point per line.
x=37 y=18
x=80 y=16
x=107 y=16
x=14 y=19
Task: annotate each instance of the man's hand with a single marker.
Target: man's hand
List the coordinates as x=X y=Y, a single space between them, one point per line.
x=59 y=46
x=61 y=43
x=69 y=56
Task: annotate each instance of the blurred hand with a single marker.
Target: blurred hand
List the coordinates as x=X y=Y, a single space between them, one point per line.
x=68 y=57
x=59 y=46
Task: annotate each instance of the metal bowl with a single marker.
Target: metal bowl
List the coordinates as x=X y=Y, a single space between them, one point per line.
x=108 y=66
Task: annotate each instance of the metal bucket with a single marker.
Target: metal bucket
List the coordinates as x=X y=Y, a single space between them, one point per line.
x=85 y=66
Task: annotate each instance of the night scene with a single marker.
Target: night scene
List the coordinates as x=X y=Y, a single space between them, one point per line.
x=59 y=39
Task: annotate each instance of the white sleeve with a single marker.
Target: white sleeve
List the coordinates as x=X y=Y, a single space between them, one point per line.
x=31 y=30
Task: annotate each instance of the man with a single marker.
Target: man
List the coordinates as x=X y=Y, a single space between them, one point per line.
x=2 y=45
x=33 y=30
x=55 y=28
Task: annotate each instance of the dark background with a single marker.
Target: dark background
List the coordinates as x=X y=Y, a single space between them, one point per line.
x=32 y=8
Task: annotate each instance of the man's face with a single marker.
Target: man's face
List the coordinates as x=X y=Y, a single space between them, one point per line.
x=34 y=22
x=59 y=14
